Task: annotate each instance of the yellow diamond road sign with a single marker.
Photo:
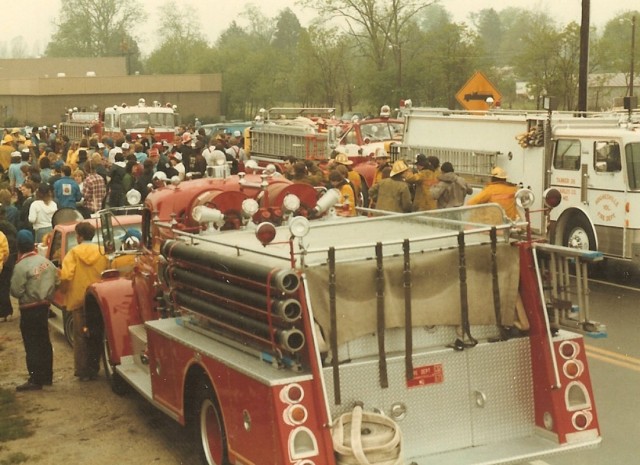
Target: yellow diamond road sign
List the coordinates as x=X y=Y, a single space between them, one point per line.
x=477 y=93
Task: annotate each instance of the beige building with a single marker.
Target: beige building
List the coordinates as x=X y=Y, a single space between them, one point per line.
x=40 y=90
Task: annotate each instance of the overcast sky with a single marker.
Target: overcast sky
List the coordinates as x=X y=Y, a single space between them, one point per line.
x=36 y=16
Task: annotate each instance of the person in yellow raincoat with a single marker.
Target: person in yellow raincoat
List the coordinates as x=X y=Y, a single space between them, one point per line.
x=6 y=148
x=347 y=198
x=499 y=191
x=81 y=267
x=4 y=250
x=353 y=177
x=424 y=179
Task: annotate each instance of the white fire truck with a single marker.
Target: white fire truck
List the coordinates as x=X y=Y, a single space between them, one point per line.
x=286 y=334
x=593 y=161
x=155 y=121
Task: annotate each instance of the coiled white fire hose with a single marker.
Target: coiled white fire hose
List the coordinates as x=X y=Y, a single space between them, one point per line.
x=366 y=438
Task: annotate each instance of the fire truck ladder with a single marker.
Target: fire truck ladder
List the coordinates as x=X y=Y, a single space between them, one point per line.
x=469 y=163
x=566 y=295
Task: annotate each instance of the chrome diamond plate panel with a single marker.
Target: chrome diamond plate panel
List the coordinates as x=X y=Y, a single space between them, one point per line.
x=445 y=416
x=438 y=415
x=501 y=373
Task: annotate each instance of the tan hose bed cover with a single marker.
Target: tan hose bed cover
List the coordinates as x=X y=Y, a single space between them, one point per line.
x=435 y=290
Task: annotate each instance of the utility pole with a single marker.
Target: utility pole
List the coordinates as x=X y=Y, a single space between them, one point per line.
x=583 y=81
x=633 y=53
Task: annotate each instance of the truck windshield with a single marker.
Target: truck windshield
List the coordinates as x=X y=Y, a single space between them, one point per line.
x=381 y=131
x=143 y=120
x=119 y=232
x=632 y=156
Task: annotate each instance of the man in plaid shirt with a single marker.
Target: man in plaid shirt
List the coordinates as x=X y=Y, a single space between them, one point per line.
x=94 y=188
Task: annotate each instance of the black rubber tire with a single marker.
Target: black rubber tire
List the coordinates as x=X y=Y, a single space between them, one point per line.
x=578 y=234
x=67 y=322
x=118 y=385
x=208 y=427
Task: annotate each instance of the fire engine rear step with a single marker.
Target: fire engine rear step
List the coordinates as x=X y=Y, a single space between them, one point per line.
x=513 y=451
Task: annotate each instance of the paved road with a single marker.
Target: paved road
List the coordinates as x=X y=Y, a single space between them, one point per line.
x=614 y=363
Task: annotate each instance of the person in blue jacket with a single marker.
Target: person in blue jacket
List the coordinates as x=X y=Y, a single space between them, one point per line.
x=66 y=190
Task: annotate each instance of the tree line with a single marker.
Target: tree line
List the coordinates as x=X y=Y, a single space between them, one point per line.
x=356 y=54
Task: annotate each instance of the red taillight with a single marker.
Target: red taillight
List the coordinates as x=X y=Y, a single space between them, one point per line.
x=552 y=197
x=581 y=420
x=569 y=350
x=292 y=394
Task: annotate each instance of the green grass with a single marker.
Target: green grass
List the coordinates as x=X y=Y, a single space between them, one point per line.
x=12 y=424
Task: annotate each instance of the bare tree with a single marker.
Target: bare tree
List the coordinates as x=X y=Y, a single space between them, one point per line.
x=18 y=47
x=377 y=25
x=95 y=28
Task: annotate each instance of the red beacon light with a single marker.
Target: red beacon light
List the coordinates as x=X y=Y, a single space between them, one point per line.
x=552 y=197
x=266 y=233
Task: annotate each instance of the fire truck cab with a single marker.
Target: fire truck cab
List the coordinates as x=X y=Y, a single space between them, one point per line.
x=156 y=121
x=593 y=161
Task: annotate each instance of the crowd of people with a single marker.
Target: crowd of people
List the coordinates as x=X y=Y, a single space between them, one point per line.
x=43 y=172
x=395 y=187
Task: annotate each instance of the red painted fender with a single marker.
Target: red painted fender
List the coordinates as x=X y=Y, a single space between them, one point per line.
x=119 y=308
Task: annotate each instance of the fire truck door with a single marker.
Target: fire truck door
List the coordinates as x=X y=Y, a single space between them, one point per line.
x=566 y=171
x=606 y=195
x=144 y=288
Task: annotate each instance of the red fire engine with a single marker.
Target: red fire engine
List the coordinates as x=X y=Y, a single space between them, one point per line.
x=155 y=121
x=287 y=334
x=313 y=133
x=81 y=124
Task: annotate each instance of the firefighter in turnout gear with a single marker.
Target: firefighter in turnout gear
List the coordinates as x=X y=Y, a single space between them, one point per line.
x=498 y=191
x=423 y=180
